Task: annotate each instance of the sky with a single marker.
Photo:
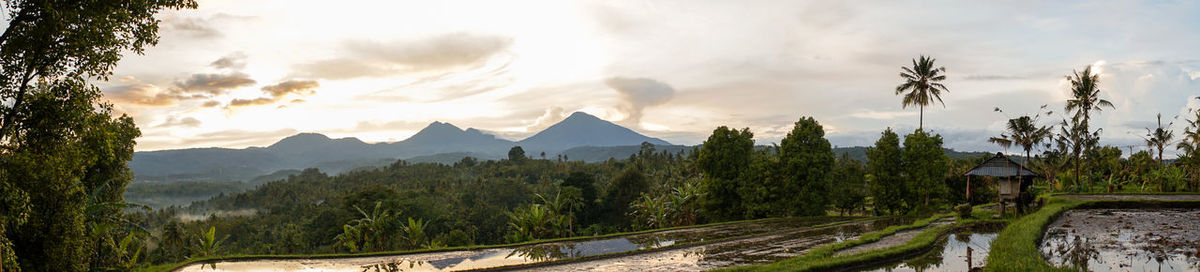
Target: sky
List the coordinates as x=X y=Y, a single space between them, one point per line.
x=239 y=73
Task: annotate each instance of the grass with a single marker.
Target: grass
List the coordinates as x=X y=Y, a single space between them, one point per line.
x=822 y=258
x=174 y=266
x=1016 y=249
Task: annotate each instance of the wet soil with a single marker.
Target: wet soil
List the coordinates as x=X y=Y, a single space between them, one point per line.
x=752 y=250
x=1125 y=240
x=497 y=257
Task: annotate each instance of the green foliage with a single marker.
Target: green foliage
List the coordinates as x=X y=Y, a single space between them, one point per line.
x=517 y=154
x=849 y=190
x=886 y=174
x=677 y=208
x=723 y=159
x=925 y=167
x=806 y=160
x=414 y=235
x=963 y=210
x=625 y=188
x=371 y=232
x=1016 y=249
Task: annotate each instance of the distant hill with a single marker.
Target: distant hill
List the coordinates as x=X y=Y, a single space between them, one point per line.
x=437 y=142
x=860 y=153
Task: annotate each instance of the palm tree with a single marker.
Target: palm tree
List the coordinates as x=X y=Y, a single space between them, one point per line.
x=1191 y=137
x=1159 y=137
x=1023 y=132
x=1085 y=95
x=1085 y=98
x=923 y=84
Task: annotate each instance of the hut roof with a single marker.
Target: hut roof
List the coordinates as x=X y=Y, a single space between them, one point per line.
x=1001 y=166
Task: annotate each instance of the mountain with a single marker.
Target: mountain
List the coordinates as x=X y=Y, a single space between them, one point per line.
x=437 y=142
x=581 y=129
x=441 y=137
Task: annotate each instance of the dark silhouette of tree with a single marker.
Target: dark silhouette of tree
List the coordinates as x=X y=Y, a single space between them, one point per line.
x=722 y=160
x=923 y=85
x=516 y=154
x=1160 y=137
x=886 y=170
x=806 y=160
x=925 y=166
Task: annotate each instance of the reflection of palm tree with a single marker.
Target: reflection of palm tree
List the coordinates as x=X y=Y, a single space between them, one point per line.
x=923 y=83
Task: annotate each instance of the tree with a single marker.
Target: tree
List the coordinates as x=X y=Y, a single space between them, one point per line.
x=849 y=184
x=886 y=173
x=805 y=159
x=516 y=154
x=923 y=82
x=59 y=141
x=625 y=188
x=722 y=160
x=1160 y=137
x=1191 y=136
x=925 y=166
x=1085 y=99
x=371 y=232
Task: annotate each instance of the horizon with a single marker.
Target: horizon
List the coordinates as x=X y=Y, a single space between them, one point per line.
x=238 y=77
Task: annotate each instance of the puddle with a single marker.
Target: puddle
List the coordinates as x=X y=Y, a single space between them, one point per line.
x=958 y=252
x=487 y=258
x=1125 y=240
x=754 y=250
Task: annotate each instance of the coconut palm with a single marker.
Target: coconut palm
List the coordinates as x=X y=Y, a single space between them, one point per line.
x=1159 y=137
x=1024 y=133
x=1085 y=95
x=923 y=84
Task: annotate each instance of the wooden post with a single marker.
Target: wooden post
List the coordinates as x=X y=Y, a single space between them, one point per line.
x=968 y=258
x=968 y=189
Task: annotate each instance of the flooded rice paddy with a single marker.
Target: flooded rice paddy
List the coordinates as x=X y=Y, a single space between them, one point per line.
x=737 y=252
x=1125 y=240
x=963 y=251
x=509 y=256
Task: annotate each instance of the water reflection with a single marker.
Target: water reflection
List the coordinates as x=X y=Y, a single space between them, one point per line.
x=959 y=252
x=1124 y=240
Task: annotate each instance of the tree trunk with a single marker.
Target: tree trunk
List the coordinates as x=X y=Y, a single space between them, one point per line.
x=921 y=121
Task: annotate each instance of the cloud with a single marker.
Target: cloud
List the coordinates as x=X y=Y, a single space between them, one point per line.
x=442 y=51
x=141 y=94
x=279 y=91
x=197 y=27
x=214 y=84
x=234 y=61
x=373 y=58
x=180 y=122
x=639 y=93
x=552 y=116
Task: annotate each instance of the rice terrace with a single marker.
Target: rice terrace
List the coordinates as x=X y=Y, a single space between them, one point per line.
x=638 y=135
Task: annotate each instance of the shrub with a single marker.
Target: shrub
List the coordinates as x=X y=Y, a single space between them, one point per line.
x=963 y=210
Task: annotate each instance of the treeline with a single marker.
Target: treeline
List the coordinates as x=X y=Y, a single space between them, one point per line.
x=409 y=206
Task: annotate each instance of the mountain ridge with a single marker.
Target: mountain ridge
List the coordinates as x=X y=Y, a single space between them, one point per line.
x=309 y=149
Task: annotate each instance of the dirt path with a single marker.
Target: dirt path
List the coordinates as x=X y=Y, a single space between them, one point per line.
x=898 y=238
x=1195 y=197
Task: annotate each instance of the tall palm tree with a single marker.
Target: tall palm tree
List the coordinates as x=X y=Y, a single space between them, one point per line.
x=1085 y=99
x=1159 y=137
x=1085 y=95
x=923 y=84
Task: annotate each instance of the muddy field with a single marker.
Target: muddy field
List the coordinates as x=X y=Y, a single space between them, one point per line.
x=1125 y=240
x=497 y=257
x=1134 y=197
